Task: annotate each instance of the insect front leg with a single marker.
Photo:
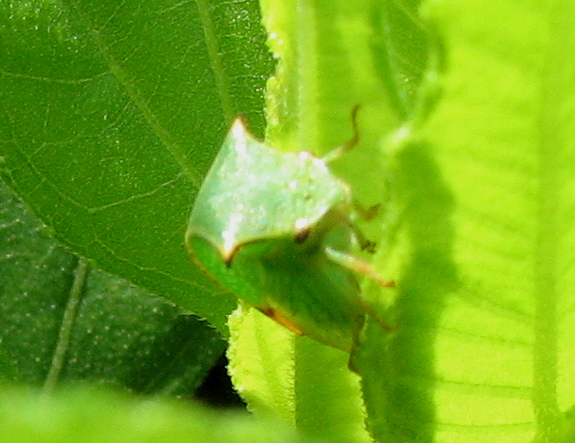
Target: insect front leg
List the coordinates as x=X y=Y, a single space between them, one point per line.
x=366 y=213
x=364 y=243
x=338 y=152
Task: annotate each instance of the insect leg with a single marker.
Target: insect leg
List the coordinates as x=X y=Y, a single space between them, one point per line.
x=364 y=243
x=362 y=267
x=355 y=346
x=338 y=152
x=366 y=213
x=358 y=265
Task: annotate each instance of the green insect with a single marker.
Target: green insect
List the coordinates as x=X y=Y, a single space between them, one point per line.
x=277 y=230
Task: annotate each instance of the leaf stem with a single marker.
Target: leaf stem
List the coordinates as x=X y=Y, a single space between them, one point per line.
x=68 y=321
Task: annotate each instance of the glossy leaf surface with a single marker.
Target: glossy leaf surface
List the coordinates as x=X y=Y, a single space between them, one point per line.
x=110 y=115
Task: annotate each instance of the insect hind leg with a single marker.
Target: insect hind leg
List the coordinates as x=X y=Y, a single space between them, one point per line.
x=362 y=267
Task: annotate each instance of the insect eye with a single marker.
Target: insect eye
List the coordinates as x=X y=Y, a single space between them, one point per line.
x=302 y=235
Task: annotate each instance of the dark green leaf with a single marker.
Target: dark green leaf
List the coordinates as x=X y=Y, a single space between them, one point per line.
x=63 y=322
